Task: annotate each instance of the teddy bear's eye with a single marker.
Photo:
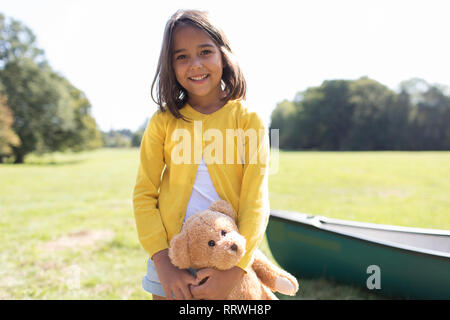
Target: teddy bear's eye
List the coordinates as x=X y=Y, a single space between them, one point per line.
x=223 y=232
x=211 y=243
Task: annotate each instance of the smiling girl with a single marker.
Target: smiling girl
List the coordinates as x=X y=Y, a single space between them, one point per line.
x=198 y=84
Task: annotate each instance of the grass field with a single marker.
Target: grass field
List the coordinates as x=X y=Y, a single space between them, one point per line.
x=68 y=231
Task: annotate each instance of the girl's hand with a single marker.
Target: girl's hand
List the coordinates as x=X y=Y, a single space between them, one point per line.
x=218 y=285
x=173 y=280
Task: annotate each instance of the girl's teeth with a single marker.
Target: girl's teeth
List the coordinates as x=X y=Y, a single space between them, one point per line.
x=199 y=78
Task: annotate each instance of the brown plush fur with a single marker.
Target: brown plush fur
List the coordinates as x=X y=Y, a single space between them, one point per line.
x=211 y=238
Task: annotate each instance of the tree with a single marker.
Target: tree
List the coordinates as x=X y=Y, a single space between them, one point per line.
x=323 y=115
x=40 y=106
x=117 y=138
x=334 y=113
x=50 y=114
x=17 y=41
x=138 y=134
x=85 y=134
x=284 y=118
x=369 y=119
x=8 y=137
x=435 y=109
x=398 y=127
x=364 y=114
x=429 y=116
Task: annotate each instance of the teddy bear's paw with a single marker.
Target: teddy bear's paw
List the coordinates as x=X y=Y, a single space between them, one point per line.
x=284 y=286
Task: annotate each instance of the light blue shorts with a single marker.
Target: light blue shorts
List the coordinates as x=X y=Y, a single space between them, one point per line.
x=151 y=282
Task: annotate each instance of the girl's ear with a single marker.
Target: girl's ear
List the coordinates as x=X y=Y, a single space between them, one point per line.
x=178 y=251
x=223 y=207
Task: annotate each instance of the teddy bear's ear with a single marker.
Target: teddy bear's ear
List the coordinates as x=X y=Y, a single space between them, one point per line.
x=178 y=251
x=223 y=207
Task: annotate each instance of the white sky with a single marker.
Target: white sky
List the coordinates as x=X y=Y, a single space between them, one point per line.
x=109 y=49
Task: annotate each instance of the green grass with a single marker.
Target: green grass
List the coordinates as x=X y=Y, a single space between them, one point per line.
x=50 y=198
x=399 y=188
x=57 y=195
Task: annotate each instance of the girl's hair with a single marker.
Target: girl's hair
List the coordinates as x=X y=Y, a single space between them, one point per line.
x=168 y=91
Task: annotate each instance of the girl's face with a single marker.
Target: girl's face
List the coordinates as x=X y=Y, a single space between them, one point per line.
x=198 y=65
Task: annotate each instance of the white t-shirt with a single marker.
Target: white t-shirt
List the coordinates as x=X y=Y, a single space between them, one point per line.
x=203 y=192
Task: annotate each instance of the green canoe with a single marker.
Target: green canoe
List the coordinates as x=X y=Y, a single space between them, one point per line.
x=395 y=261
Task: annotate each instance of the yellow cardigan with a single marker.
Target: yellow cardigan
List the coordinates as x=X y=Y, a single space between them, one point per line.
x=166 y=176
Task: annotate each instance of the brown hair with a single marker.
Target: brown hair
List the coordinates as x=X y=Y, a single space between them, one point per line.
x=168 y=91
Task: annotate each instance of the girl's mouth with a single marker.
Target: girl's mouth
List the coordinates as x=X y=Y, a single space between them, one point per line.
x=199 y=78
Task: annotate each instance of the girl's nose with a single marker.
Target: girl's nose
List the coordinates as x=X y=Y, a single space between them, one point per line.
x=196 y=63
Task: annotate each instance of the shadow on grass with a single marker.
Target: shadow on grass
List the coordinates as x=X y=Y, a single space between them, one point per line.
x=46 y=159
x=44 y=163
x=325 y=289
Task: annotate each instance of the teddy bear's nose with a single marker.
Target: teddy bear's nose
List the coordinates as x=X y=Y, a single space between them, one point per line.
x=234 y=247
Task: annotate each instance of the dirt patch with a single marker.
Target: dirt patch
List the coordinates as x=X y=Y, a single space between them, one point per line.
x=8 y=281
x=5 y=296
x=99 y=288
x=83 y=238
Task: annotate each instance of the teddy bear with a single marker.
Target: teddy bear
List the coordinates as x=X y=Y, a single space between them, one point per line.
x=210 y=238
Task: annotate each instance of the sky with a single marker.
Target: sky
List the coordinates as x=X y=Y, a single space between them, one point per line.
x=109 y=49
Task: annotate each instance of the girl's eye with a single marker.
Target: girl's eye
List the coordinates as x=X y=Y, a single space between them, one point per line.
x=211 y=243
x=181 y=56
x=205 y=52
x=223 y=232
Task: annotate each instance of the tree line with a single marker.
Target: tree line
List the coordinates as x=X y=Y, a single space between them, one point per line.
x=40 y=110
x=364 y=114
x=124 y=138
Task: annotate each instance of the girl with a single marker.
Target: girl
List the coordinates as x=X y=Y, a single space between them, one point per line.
x=199 y=87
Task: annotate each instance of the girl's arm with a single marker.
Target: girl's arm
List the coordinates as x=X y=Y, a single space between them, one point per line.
x=151 y=232
x=254 y=207
x=175 y=282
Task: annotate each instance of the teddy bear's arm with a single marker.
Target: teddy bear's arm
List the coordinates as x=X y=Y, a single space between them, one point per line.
x=273 y=277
